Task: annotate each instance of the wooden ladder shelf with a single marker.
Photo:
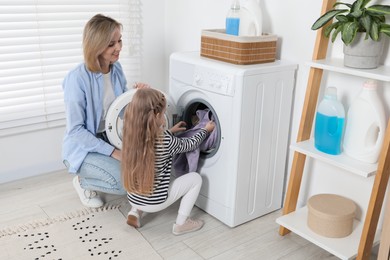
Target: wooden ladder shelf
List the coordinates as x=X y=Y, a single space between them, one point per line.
x=304 y=133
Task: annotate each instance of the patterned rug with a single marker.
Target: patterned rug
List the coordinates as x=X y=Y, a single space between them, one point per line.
x=87 y=234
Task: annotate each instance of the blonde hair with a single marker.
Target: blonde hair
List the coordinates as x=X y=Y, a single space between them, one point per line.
x=96 y=38
x=141 y=130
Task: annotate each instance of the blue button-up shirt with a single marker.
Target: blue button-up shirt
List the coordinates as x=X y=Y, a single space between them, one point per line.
x=83 y=96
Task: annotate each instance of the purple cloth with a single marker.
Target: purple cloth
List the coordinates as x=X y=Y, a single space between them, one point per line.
x=188 y=162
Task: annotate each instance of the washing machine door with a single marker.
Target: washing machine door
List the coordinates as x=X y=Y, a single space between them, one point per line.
x=114 y=117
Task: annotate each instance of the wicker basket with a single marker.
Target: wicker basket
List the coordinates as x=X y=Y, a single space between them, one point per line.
x=216 y=44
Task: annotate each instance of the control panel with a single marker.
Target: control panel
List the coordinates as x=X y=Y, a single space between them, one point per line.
x=213 y=80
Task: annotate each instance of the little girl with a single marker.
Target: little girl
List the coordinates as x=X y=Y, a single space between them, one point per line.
x=147 y=153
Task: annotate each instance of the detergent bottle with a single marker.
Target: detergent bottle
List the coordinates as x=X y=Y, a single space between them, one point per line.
x=365 y=126
x=233 y=18
x=329 y=123
x=251 y=19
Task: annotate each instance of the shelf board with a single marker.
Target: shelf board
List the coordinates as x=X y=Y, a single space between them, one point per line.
x=342 y=160
x=381 y=73
x=344 y=248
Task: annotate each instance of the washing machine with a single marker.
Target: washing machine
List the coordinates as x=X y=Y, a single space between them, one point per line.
x=244 y=175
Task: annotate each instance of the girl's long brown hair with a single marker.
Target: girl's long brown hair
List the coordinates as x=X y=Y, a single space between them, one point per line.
x=141 y=130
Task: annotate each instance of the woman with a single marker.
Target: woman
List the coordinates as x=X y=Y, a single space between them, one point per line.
x=89 y=89
x=149 y=150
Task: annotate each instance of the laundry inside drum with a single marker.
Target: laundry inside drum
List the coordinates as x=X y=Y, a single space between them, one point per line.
x=191 y=117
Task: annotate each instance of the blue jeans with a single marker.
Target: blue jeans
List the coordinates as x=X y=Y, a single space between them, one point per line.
x=102 y=173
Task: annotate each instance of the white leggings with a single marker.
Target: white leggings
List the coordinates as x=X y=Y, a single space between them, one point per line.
x=186 y=186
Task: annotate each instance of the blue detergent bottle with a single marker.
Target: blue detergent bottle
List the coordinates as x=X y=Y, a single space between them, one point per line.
x=329 y=123
x=233 y=18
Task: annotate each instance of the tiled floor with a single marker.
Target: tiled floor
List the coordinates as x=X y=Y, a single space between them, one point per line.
x=52 y=195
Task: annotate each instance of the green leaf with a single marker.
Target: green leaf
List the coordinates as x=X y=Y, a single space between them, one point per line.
x=330 y=28
x=366 y=22
x=326 y=18
x=341 y=18
x=335 y=33
x=357 y=13
x=348 y=33
x=357 y=5
x=379 y=9
x=365 y=2
x=385 y=28
x=374 y=32
x=356 y=10
x=340 y=3
x=378 y=19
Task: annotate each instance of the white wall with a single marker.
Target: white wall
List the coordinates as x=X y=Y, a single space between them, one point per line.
x=30 y=154
x=153 y=62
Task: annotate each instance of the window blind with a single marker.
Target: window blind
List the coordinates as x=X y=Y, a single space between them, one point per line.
x=40 y=41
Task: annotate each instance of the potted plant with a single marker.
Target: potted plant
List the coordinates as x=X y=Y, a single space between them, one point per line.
x=361 y=28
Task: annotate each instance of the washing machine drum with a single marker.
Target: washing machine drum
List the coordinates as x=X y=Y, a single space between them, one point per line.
x=114 y=117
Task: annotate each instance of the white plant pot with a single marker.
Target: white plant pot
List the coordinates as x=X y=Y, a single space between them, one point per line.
x=363 y=54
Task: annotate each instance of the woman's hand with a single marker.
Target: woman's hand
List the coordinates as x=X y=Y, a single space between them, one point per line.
x=181 y=126
x=139 y=85
x=117 y=154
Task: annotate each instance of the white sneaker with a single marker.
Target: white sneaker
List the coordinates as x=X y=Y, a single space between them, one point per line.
x=133 y=219
x=189 y=226
x=89 y=198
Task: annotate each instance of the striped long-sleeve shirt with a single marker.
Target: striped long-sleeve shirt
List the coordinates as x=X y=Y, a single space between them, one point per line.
x=164 y=152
